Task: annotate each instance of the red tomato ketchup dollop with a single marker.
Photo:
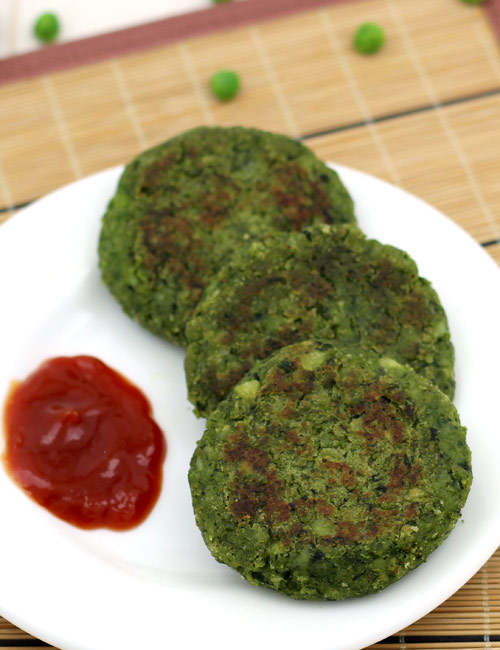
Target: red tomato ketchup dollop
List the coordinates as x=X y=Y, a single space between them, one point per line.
x=80 y=440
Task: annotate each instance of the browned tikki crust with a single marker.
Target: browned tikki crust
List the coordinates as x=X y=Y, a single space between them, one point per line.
x=186 y=206
x=329 y=472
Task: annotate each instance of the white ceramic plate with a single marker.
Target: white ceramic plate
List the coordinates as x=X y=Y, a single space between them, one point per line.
x=157 y=586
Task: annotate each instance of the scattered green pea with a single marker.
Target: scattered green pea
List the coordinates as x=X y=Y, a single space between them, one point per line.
x=225 y=84
x=368 y=38
x=473 y=2
x=46 y=27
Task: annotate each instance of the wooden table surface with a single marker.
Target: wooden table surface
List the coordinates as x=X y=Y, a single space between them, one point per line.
x=424 y=114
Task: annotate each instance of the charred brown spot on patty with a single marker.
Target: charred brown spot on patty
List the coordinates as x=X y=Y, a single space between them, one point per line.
x=328 y=472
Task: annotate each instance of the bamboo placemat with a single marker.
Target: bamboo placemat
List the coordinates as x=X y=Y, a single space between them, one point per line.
x=424 y=113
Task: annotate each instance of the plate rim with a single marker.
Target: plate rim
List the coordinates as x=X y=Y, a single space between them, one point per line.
x=18 y=221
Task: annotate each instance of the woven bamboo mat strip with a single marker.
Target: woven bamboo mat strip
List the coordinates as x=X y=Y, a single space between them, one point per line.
x=436 y=642
x=70 y=124
x=424 y=113
x=6 y=215
x=10 y=632
x=446 y=157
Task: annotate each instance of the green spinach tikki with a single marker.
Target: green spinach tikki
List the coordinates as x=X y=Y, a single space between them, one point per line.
x=184 y=206
x=327 y=282
x=328 y=474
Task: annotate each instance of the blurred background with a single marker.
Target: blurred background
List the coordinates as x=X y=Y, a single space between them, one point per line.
x=80 y=18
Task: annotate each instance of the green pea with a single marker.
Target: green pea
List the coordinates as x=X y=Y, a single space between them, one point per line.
x=368 y=38
x=220 y=2
x=225 y=84
x=473 y=2
x=46 y=27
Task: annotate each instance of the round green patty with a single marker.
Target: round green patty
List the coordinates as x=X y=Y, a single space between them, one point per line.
x=329 y=474
x=327 y=282
x=182 y=207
